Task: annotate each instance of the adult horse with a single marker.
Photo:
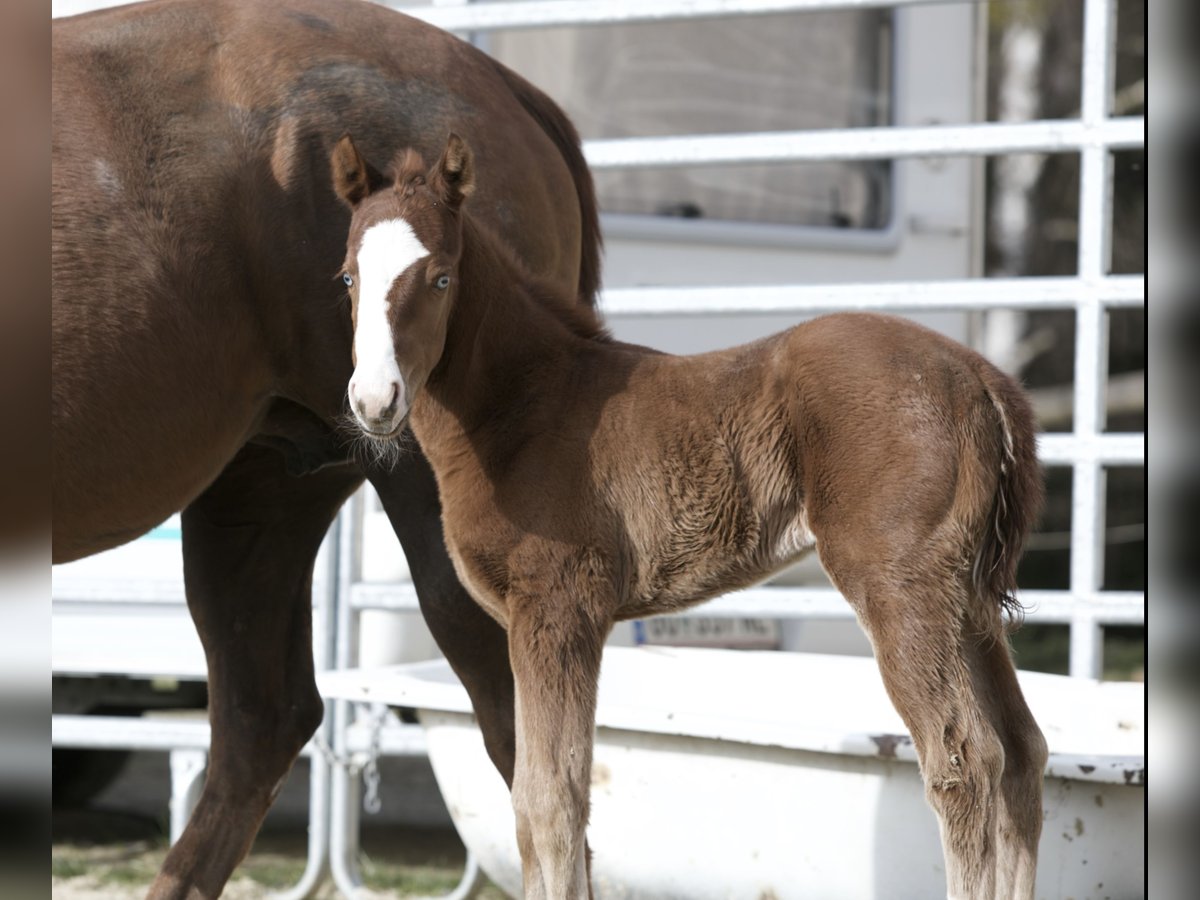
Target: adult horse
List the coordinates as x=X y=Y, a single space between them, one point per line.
x=202 y=339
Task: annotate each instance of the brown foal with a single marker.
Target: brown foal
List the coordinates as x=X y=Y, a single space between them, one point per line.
x=585 y=481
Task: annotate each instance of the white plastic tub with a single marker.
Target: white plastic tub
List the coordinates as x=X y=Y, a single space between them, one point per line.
x=723 y=774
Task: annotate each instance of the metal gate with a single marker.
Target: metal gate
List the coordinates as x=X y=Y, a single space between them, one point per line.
x=1085 y=606
x=1088 y=450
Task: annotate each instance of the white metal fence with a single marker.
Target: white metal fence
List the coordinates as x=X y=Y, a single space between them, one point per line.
x=1085 y=606
x=1091 y=293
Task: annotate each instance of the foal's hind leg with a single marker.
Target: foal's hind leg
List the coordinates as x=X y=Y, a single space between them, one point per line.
x=249 y=545
x=938 y=649
x=924 y=650
x=1019 y=824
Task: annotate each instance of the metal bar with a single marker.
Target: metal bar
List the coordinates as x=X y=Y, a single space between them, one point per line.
x=1091 y=364
x=549 y=13
x=786 y=602
x=1103 y=449
x=1086 y=647
x=991 y=293
x=394 y=740
x=463 y=16
x=781 y=602
x=187 y=780
x=124 y=733
x=344 y=814
x=986 y=139
x=143 y=592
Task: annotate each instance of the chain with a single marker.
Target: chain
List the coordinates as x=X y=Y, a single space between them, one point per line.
x=364 y=764
x=372 y=803
x=322 y=747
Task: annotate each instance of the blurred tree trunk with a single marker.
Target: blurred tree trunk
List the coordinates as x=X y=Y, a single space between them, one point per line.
x=1049 y=246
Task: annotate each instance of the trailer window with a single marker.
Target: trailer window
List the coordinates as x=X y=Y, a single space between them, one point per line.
x=714 y=76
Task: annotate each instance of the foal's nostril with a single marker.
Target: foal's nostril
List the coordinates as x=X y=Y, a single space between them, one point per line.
x=391 y=407
x=371 y=410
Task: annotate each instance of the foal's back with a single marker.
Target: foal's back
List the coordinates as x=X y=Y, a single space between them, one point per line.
x=863 y=435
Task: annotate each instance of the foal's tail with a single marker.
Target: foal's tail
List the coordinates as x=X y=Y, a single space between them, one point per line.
x=1018 y=498
x=560 y=130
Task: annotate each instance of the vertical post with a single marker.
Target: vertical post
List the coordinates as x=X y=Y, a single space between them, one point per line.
x=187 y=780
x=344 y=794
x=1091 y=363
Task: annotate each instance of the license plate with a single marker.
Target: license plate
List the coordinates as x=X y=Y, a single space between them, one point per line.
x=734 y=634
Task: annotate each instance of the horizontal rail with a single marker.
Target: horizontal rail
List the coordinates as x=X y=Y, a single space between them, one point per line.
x=550 y=13
x=1106 y=449
x=884 y=142
x=126 y=733
x=1047 y=607
x=124 y=592
x=392 y=739
x=979 y=293
x=783 y=602
x=163 y=734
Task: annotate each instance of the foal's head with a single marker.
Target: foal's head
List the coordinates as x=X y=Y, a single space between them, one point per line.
x=401 y=270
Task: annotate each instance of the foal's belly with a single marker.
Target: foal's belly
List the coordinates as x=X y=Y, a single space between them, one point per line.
x=706 y=575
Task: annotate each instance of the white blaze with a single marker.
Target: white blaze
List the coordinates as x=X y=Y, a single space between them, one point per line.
x=387 y=250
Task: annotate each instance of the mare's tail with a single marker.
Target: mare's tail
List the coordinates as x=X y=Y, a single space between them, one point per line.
x=560 y=130
x=1018 y=498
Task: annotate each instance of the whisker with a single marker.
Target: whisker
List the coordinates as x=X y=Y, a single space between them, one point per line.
x=374 y=452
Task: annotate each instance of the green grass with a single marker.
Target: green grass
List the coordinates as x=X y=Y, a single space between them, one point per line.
x=418 y=881
x=400 y=862
x=65 y=867
x=1045 y=648
x=272 y=870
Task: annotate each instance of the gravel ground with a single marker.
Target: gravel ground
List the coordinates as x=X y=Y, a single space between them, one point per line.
x=112 y=849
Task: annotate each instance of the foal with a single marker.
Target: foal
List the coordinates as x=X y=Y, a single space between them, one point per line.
x=585 y=481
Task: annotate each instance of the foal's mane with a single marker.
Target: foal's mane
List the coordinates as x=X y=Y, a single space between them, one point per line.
x=409 y=172
x=581 y=319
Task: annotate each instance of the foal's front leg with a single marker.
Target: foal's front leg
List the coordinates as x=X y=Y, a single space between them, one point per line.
x=555 y=651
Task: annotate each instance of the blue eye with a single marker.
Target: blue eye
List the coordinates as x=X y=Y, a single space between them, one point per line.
x=443 y=282
x=348 y=279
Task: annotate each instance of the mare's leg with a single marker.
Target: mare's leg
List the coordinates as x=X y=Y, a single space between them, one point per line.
x=556 y=653
x=473 y=642
x=249 y=543
x=944 y=661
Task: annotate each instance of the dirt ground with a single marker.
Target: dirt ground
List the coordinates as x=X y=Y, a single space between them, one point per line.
x=111 y=849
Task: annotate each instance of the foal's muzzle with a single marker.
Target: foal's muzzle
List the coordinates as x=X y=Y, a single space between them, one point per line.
x=379 y=409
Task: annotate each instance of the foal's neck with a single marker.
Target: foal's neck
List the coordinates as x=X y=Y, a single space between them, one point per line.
x=508 y=333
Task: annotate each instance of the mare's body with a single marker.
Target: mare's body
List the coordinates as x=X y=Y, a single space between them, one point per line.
x=585 y=481
x=202 y=339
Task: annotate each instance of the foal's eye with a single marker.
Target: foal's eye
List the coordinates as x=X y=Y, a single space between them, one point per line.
x=443 y=282
x=348 y=279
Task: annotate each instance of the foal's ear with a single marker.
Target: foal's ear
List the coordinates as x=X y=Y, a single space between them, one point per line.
x=353 y=177
x=455 y=172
